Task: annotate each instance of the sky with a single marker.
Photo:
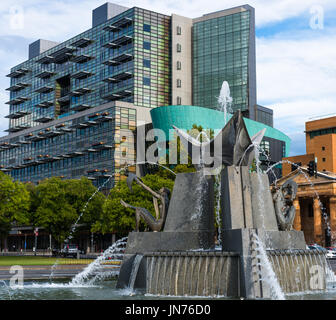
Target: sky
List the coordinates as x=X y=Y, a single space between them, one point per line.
x=295 y=48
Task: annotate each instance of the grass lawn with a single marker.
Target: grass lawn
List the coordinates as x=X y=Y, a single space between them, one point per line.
x=42 y=261
x=46 y=261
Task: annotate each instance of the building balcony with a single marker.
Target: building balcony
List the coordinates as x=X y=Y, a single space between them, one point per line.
x=18 y=73
x=91 y=123
x=124 y=57
x=45 y=74
x=81 y=107
x=52 y=133
x=92 y=150
x=119 y=77
x=95 y=174
x=82 y=42
x=62 y=128
x=17 y=128
x=116 y=95
x=17 y=115
x=122 y=40
x=121 y=23
x=28 y=136
x=8 y=145
x=82 y=58
x=104 y=117
x=117 y=60
x=111 y=28
x=101 y=146
x=31 y=162
x=44 y=104
x=75 y=154
x=44 y=89
x=63 y=54
x=17 y=87
x=80 y=91
x=66 y=130
x=111 y=62
x=44 y=119
x=22 y=142
x=116 y=43
x=47 y=158
x=65 y=99
x=111 y=45
x=81 y=74
x=80 y=125
x=36 y=138
x=46 y=59
x=17 y=100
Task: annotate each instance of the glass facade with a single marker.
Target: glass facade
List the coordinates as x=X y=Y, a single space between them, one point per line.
x=83 y=146
x=152 y=79
x=126 y=58
x=264 y=115
x=105 y=63
x=221 y=52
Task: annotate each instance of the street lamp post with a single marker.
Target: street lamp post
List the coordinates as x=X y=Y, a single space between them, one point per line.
x=36 y=234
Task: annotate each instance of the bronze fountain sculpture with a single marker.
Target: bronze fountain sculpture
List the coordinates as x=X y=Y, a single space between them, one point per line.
x=161 y=210
x=184 y=226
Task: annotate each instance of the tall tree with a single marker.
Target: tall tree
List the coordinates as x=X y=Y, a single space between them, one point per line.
x=14 y=203
x=59 y=204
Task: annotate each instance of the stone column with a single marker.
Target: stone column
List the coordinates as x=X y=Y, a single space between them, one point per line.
x=318 y=236
x=297 y=220
x=332 y=207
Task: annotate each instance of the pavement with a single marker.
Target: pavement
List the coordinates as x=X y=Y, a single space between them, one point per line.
x=44 y=272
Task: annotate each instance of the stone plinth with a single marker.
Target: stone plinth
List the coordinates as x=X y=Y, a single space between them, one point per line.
x=246 y=200
x=191 y=206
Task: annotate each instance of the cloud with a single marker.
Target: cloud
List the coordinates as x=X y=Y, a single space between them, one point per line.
x=295 y=70
x=296 y=77
x=57 y=20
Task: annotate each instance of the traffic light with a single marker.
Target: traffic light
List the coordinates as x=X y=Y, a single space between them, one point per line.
x=311 y=168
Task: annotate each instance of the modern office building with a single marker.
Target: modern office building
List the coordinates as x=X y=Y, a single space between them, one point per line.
x=69 y=101
x=224 y=49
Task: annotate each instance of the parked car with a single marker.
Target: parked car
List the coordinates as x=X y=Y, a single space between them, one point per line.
x=317 y=247
x=69 y=250
x=331 y=254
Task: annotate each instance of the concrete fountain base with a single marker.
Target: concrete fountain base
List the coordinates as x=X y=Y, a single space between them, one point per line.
x=169 y=241
x=233 y=272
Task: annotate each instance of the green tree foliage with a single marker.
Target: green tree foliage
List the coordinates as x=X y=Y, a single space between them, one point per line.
x=116 y=218
x=58 y=204
x=179 y=152
x=14 y=203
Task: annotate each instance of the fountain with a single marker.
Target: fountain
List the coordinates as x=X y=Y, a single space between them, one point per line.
x=260 y=255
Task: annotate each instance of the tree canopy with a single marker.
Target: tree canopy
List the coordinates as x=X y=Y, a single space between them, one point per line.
x=14 y=203
x=58 y=204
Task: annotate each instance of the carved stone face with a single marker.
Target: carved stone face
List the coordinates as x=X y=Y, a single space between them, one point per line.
x=289 y=190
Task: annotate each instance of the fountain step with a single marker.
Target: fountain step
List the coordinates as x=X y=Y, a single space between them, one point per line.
x=299 y=270
x=193 y=275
